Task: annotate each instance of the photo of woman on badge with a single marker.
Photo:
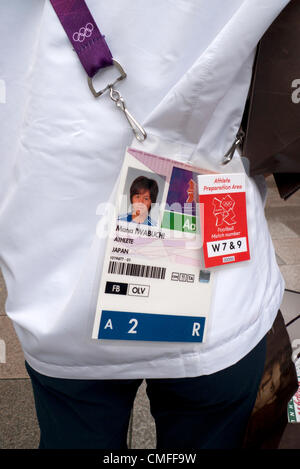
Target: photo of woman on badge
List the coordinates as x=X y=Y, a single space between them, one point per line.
x=143 y=193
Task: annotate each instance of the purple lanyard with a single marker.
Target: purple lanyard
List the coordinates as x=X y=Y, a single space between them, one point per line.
x=93 y=51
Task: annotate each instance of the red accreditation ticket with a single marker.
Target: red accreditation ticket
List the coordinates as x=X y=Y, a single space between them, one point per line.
x=223 y=218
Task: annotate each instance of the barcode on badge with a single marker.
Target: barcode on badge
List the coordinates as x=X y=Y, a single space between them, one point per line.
x=136 y=270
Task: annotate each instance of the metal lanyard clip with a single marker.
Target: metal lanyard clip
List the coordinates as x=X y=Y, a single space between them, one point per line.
x=139 y=132
x=229 y=154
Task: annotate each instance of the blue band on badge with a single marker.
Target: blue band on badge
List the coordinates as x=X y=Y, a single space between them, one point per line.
x=121 y=325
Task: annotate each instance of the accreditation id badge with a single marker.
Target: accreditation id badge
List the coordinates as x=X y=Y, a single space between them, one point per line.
x=222 y=199
x=153 y=287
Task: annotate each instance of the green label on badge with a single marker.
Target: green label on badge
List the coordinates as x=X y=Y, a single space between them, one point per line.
x=291 y=412
x=179 y=222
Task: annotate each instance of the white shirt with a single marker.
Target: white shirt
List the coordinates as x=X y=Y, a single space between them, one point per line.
x=189 y=65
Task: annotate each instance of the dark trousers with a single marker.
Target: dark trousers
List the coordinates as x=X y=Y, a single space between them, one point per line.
x=210 y=411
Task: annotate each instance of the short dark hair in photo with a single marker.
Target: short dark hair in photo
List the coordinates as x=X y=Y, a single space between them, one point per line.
x=141 y=184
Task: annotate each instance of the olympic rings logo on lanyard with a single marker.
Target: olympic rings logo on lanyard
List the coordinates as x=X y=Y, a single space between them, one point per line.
x=83 y=33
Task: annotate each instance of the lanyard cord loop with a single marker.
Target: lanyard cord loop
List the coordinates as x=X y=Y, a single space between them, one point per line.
x=93 y=52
